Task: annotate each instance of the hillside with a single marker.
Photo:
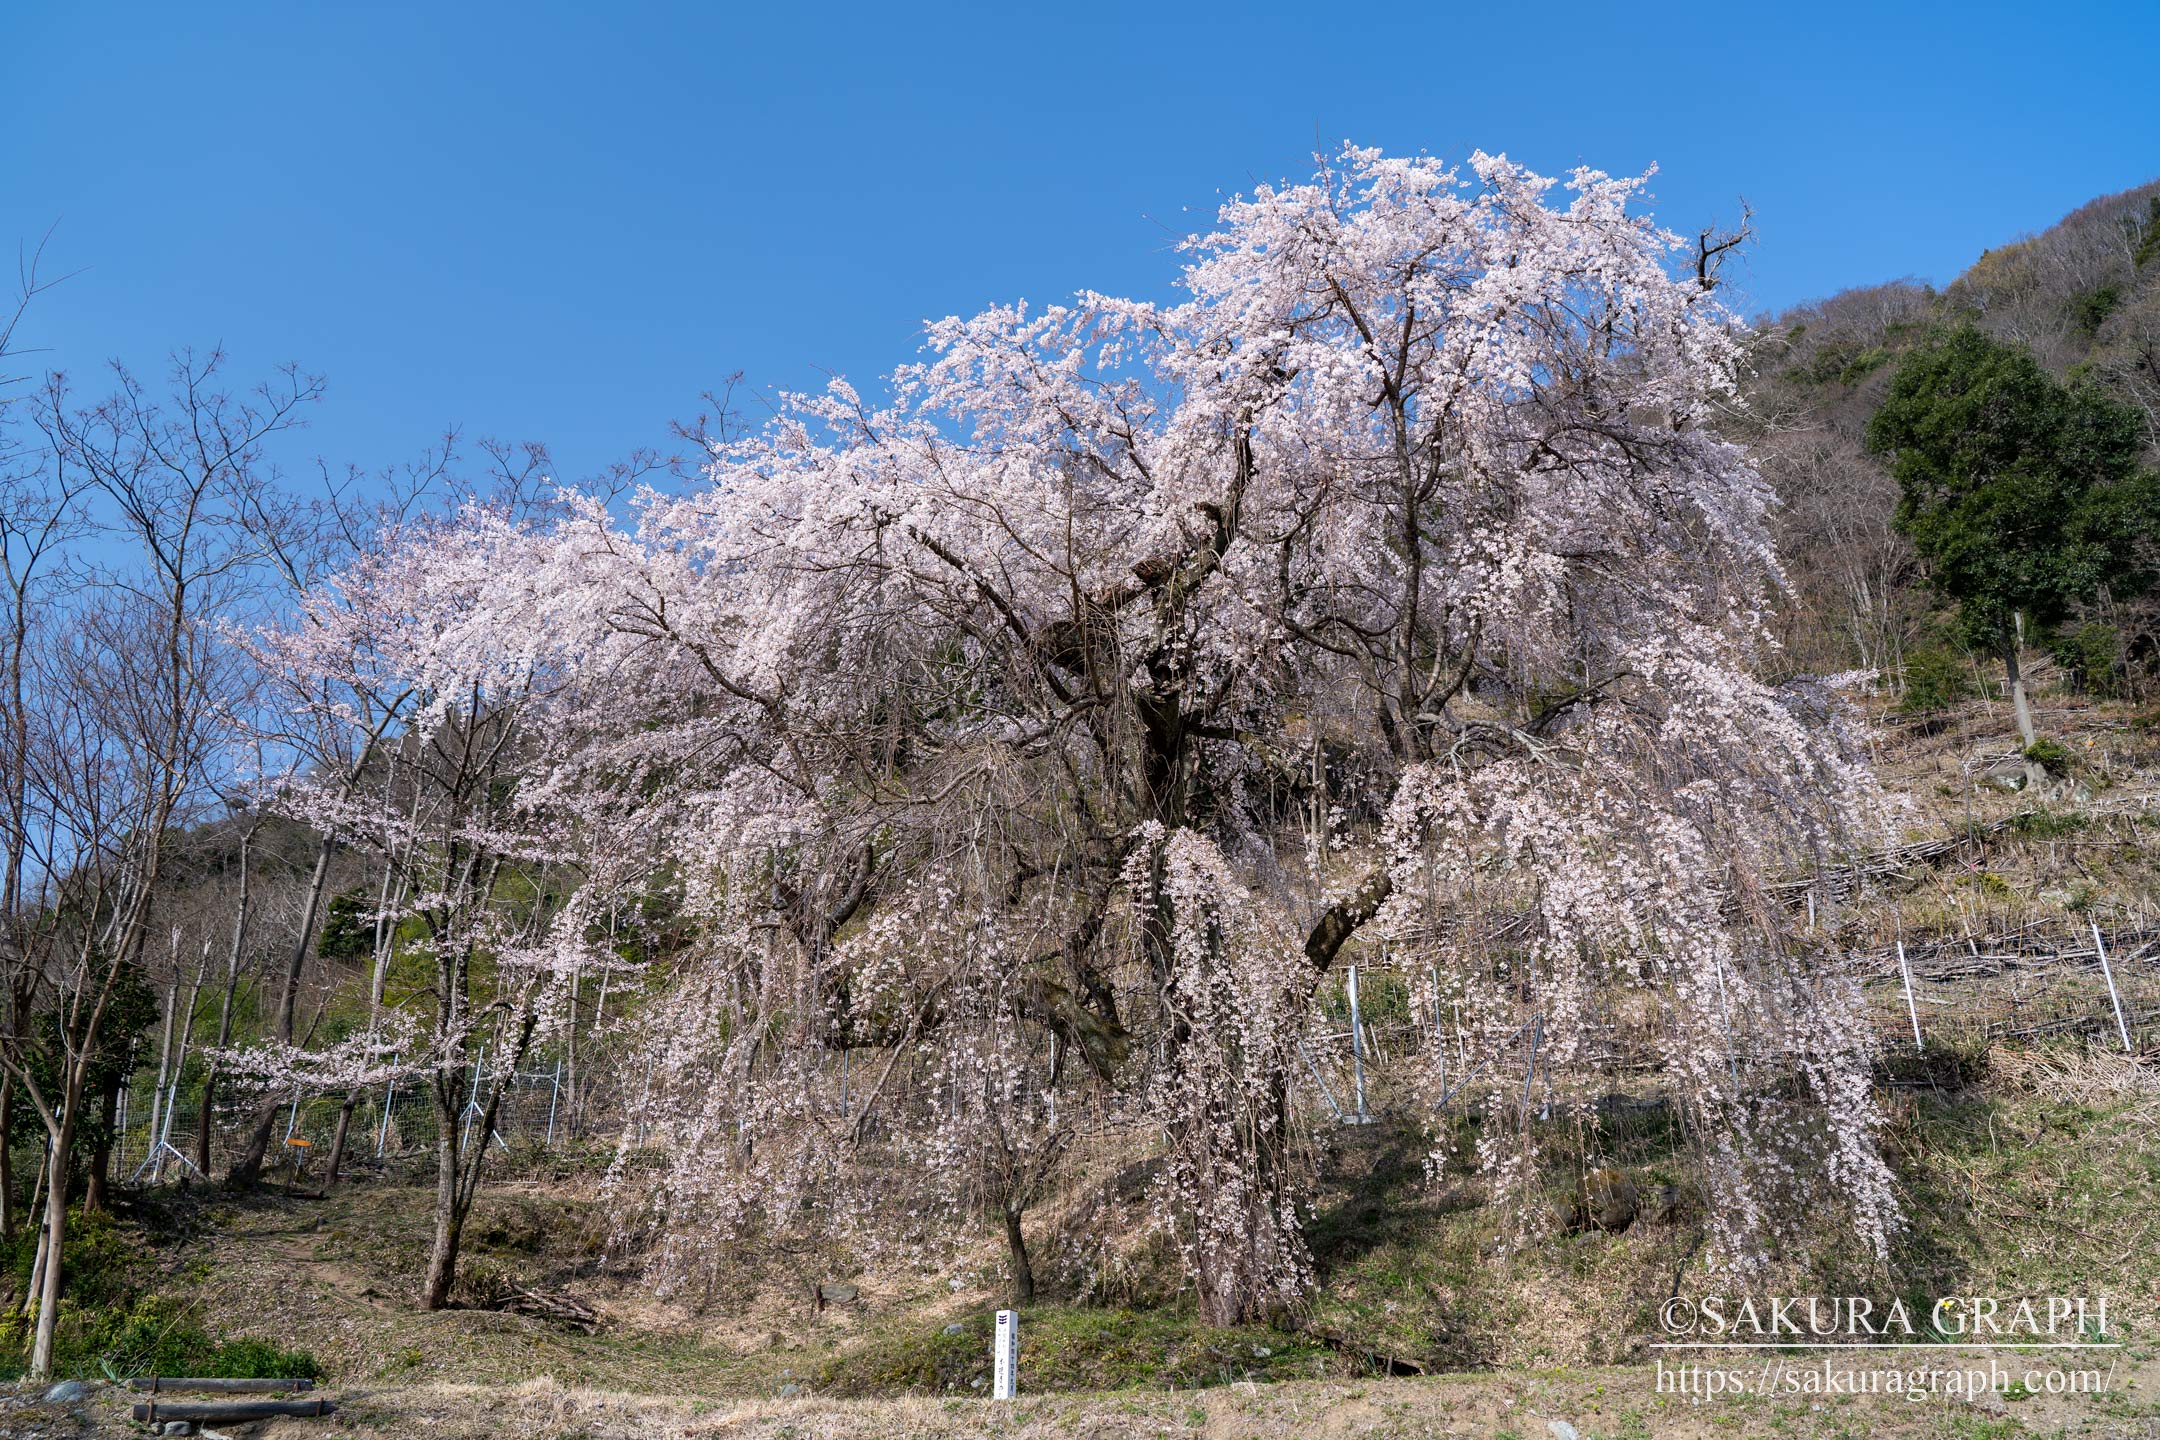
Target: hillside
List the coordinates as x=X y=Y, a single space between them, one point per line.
x=1341 y=935
x=2084 y=295
x=2028 y=1163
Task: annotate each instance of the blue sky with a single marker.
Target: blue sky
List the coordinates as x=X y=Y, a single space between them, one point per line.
x=562 y=222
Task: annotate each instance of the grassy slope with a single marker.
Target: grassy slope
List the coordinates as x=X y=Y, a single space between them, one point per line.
x=2028 y=1180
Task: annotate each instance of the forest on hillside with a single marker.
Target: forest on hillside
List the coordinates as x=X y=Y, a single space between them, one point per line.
x=1436 y=667
x=2080 y=298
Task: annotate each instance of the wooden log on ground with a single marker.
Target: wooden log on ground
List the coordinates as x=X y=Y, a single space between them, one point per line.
x=218 y=1412
x=158 y=1384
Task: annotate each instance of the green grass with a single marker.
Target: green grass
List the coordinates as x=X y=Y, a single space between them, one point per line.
x=1064 y=1348
x=112 y=1322
x=2005 y=1193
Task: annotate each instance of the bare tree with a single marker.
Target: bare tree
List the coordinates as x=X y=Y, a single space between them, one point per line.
x=125 y=702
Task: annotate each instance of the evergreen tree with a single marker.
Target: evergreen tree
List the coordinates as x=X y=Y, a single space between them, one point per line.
x=2023 y=494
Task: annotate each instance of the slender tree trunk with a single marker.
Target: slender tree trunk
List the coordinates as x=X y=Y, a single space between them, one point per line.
x=458 y=1165
x=247 y=1168
x=164 y=1060
x=162 y=1135
x=337 y=1139
x=97 y=1190
x=37 y=1254
x=56 y=1197
x=224 y=1027
x=449 y=1214
x=2013 y=662
x=566 y=1089
x=378 y=977
x=7 y=1165
x=1023 y=1273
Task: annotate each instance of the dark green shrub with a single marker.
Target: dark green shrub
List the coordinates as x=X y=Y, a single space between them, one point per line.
x=2089 y=656
x=2048 y=825
x=1935 y=679
x=111 y=1322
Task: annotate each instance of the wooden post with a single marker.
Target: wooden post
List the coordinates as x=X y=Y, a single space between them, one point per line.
x=215 y=1412
x=2122 y=1027
x=159 y=1384
x=1005 y=1356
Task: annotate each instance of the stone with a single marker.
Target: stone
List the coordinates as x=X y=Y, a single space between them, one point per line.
x=1606 y=1198
x=1561 y=1430
x=2011 y=781
x=178 y=1427
x=834 y=1293
x=956 y=1328
x=67 y=1392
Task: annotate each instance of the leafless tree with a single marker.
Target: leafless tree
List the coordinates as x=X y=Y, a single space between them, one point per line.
x=127 y=690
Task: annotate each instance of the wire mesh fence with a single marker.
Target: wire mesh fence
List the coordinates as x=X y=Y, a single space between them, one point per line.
x=544 y=1105
x=2033 y=984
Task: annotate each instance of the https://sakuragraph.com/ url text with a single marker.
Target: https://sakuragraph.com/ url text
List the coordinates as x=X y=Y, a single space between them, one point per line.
x=1955 y=1347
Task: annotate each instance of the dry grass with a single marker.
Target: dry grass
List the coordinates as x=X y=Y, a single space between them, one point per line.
x=1600 y=1404
x=2042 y=1178
x=2095 y=1077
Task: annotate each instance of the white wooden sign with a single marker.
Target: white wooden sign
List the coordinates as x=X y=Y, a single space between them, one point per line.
x=1005 y=1356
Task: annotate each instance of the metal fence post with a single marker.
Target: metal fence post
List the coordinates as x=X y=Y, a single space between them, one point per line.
x=382 y=1131
x=472 y=1101
x=1357 y=1048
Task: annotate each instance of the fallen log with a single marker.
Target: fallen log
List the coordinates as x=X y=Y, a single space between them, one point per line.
x=158 y=1384
x=217 y=1412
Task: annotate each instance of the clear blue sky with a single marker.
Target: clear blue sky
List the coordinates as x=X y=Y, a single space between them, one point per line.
x=562 y=222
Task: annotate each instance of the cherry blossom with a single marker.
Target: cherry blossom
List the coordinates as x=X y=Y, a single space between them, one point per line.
x=1040 y=733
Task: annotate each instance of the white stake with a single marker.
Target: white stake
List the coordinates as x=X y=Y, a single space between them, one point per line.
x=2113 y=998
x=472 y=1101
x=1537 y=1033
x=382 y=1131
x=1005 y=1356
x=1910 y=1008
x=1357 y=1049
x=1439 y=1030
x=1325 y=1093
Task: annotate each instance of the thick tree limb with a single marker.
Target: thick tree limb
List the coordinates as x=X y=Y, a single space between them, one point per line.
x=1343 y=918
